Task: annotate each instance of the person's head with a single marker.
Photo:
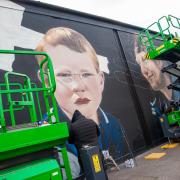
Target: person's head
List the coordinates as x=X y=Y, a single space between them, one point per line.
x=79 y=82
x=151 y=69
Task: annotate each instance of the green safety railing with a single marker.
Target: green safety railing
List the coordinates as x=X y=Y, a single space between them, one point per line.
x=18 y=93
x=163 y=32
x=28 y=92
x=174 y=19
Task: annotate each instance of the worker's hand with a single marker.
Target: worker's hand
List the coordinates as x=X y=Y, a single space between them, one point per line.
x=83 y=131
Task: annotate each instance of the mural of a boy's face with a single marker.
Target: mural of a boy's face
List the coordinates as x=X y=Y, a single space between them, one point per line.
x=78 y=84
x=151 y=70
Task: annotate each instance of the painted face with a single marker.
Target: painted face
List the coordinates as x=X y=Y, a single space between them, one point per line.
x=78 y=84
x=151 y=70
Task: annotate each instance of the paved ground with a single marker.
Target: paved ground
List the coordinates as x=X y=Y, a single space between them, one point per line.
x=166 y=168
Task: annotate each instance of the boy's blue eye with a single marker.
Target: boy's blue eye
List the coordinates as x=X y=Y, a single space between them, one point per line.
x=87 y=74
x=64 y=75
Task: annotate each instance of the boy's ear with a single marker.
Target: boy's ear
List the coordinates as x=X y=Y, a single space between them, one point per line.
x=45 y=78
x=38 y=75
x=102 y=79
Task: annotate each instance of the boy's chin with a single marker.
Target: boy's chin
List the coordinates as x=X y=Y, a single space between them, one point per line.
x=87 y=113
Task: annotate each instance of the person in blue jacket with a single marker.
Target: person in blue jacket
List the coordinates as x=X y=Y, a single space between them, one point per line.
x=79 y=86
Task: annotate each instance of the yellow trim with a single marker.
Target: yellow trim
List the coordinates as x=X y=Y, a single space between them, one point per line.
x=160 y=47
x=147 y=56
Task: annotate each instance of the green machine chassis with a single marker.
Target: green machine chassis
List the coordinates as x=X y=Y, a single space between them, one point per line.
x=17 y=140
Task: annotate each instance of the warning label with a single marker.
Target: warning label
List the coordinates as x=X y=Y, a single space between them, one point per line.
x=96 y=163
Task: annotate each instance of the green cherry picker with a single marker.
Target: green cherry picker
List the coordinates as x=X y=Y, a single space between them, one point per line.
x=168 y=49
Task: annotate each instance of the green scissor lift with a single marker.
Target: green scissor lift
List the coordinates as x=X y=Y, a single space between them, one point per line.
x=22 y=145
x=168 y=32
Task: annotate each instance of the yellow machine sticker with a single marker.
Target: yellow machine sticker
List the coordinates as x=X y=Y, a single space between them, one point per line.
x=175 y=40
x=147 y=56
x=96 y=163
x=160 y=47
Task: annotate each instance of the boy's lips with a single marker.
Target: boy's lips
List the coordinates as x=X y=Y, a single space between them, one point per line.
x=80 y=101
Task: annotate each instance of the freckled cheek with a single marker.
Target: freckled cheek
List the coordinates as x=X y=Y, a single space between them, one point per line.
x=62 y=91
x=94 y=91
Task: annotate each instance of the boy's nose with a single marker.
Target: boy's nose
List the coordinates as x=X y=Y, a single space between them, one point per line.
x=78 y=85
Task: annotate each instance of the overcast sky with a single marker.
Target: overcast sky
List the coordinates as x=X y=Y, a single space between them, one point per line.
x=136 y=12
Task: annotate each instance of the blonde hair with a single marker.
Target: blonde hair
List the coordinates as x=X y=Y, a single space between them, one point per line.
x=69 y=38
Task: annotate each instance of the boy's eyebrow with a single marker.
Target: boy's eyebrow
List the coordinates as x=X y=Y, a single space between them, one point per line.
x=65 y=71
x=86 y=70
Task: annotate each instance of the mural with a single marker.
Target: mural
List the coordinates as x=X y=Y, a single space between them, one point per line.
x=98 y=71
x=80 y=71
